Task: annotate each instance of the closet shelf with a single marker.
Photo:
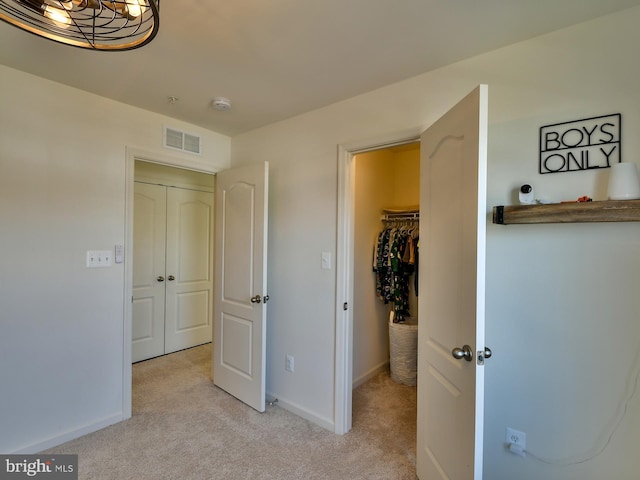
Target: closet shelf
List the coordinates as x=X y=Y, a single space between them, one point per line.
x=411 y=209
x=572 y=212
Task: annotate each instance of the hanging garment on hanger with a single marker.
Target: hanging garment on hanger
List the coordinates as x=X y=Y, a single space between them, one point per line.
x=394 y=264
x=383 y=272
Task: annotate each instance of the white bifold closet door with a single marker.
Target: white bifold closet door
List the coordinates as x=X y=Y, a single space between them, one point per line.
x=172 y=269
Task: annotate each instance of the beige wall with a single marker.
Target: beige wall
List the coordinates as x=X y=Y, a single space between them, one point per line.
x=407 y=175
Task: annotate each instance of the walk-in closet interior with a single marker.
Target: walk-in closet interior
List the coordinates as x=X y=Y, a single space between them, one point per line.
x=386 y=263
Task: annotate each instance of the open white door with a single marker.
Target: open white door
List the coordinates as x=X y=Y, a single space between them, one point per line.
x=452 y=292
x=240 y=311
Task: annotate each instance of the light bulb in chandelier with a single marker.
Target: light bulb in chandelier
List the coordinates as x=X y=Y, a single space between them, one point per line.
x=57 y=13
x=136 y=7
x=131 y=9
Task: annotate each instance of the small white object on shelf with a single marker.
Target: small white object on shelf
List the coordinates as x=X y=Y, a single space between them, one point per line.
x=624 y=183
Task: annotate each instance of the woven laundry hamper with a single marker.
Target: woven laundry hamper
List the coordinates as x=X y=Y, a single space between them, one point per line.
x=403 y=351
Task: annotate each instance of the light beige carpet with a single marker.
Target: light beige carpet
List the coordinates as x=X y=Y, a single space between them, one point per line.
x=183 y=427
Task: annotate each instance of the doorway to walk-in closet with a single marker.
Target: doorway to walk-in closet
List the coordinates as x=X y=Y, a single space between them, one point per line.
x=386 y=184
x=172 y=305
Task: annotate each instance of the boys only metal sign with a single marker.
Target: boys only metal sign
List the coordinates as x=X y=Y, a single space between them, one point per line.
x=581 y=144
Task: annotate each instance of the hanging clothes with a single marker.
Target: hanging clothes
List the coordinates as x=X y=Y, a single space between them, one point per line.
x=395 y=257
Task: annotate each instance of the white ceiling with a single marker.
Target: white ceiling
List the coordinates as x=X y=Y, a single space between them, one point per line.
x=278 y=58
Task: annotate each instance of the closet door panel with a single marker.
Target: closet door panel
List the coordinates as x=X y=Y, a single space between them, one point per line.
x=189 y=269
x=149 y=243
x=143 y=315
x=194 y=310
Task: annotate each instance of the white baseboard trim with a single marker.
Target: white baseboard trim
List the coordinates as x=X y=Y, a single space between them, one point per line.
x=370 y=374
x=304 y=413
x=69 y=435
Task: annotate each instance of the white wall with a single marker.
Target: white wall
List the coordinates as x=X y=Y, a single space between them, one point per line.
x=562 y=305
x=62 y=192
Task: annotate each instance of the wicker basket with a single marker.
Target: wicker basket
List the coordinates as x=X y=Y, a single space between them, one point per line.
x=403 y=352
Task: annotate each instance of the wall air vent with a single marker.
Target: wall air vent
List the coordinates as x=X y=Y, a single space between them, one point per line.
x=185 y=142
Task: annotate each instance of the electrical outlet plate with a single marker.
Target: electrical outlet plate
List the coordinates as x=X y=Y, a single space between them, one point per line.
x=288 y=363
x=515 y=437
x=326 y=260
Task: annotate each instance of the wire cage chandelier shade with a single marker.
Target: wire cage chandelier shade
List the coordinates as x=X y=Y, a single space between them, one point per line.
x=91 y=24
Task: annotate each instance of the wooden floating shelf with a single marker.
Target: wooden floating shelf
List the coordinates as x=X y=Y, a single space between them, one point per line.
x=572 y=212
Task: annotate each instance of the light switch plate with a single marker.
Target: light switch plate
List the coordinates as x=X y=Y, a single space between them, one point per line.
x=98 y=258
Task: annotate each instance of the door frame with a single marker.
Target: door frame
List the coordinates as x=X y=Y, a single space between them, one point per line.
x=131 y=155
x=343 y=376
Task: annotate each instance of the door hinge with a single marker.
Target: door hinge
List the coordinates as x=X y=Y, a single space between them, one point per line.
x=345 y=306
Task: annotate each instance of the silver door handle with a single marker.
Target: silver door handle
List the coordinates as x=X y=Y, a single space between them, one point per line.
x=160 y=278
x=464 y=352
x=171 y=278
x=256 y=299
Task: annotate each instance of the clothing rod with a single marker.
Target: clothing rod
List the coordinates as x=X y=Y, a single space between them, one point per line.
x=390 y=217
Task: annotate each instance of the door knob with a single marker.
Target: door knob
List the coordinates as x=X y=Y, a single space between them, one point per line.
x=487 y=352
x=464 y=352
x=171 y=278
x=256 y=299
x=160 y=278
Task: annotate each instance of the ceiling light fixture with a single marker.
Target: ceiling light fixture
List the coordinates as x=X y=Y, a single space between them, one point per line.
x=91 y=24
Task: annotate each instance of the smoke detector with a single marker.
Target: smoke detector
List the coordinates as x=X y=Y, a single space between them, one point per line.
x=221 y=103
